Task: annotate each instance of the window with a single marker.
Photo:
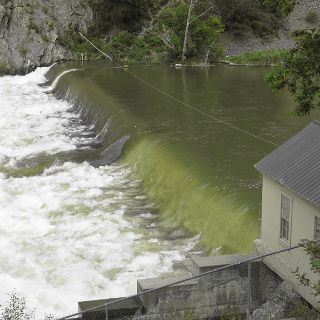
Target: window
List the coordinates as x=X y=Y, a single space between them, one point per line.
x=285 y=218
x=316 y=228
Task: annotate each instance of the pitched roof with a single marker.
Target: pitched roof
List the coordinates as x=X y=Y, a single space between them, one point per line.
x=296 y=164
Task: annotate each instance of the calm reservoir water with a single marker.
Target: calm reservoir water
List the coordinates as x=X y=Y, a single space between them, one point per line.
x=104 y=179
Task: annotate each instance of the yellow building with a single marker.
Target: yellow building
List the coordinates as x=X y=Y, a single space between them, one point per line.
x=291 y=204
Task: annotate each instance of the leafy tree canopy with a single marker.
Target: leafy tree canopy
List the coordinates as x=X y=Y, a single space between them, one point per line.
x=300 y=72
x=205 y=31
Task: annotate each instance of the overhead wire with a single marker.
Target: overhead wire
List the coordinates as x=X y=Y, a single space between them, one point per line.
x=178 y=100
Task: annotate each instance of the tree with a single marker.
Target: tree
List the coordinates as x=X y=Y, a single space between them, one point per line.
x=282 y=7
x=186 y=34
x=206 y=37
x=190 y=31
x=16 y=309
x=119 y=15
x=263 y=18
x=300 y=72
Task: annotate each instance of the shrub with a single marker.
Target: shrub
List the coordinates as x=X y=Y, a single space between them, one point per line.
x=263 y=18
x=4 y=68
x=69 y=39
x=45 y=38
x=23 y=51
x=312 y=17
x=45 y=9
x=120 y=44
x=204 y=33
x=16 y=308
x=260 y=57
x=147 y=49
x=33 y=26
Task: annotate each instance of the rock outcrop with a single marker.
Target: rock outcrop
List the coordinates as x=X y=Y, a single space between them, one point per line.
x=34 y=31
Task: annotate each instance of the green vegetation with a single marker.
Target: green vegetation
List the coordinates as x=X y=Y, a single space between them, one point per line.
x=203 y=37
x=4 y=69
x=45 y=9
x=301 y=310
x=50 y=25
x=312 y=248
x=312 y=17
x=148 y=31
x=266 y=57
x=15 y=308
x=129 y=15
x=70 y=39
x=162 y=42
x=23 y=51
x=300 y=72
x=30 y=7
x=33 y=26
x=263 y=18
x=44 y=38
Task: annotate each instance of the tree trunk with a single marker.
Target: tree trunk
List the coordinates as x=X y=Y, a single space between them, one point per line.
x=185 y=42
x=208 y=52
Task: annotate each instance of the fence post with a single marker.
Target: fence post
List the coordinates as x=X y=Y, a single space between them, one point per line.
x=249 y=291
x=28 y=65
x=107 y=315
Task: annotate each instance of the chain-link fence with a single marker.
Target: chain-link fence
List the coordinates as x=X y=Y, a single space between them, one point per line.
x=260 y=286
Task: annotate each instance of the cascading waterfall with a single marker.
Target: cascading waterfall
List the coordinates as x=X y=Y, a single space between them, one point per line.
x=104 y=180
x=70 y=230
x=161 y=145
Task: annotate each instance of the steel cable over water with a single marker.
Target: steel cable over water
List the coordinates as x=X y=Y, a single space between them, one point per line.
x=178 y=100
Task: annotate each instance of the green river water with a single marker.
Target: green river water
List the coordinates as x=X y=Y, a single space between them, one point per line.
x=198 y=172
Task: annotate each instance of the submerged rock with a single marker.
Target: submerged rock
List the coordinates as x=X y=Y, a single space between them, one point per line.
x=37 y=30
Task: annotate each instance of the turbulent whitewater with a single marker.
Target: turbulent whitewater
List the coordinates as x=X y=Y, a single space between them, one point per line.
x=69 y=231
x=104 y=180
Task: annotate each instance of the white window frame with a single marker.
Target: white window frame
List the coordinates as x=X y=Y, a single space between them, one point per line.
x=316 y=228
x=285 y=220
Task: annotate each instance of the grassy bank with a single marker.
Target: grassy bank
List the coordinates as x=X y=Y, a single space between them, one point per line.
x=264 y=57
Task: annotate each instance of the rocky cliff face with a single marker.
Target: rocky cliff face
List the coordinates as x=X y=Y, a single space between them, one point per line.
x=35 y=30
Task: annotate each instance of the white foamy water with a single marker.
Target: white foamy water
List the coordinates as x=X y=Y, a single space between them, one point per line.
x=66 y=234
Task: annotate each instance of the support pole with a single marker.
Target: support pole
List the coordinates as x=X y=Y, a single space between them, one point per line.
x=107 y=315
x=249 y=292
x=27 y=68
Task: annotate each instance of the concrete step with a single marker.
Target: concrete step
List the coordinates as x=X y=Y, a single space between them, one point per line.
x=154 y=283
x=127 y=307
x=204 y=264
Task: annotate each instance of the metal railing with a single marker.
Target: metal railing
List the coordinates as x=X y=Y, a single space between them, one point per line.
x=264 y=286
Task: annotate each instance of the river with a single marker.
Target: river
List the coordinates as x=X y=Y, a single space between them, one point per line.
x=104 y=179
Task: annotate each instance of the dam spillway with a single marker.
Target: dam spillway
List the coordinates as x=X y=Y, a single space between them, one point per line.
x=104 y=180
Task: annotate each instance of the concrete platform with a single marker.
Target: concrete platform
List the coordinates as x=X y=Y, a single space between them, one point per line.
x=154 y=283
x=127 y=307
x=204 y=264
